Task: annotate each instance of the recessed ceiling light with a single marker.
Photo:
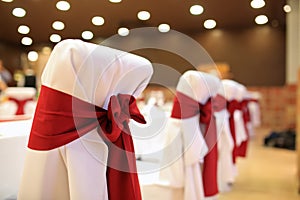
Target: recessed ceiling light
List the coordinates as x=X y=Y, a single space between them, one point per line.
x=32 y=56
x=26 y=41
x=55 y=38
x=143 y=15
x=287 y=8
x=164 y=28
x=261 y=19
x=123 y=31
x=115 y=1
x=63 y=5
x=257 y=4
x=210 y=24
x=8 y=1
x=87 y=35
x=19 y=12
x=98 y=21
x=23 y=29
x=196 y=10
x=58 y=25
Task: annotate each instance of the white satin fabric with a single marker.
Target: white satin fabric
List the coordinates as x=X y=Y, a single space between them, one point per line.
x=185 y=147
x=233 y=91
x=92 y=73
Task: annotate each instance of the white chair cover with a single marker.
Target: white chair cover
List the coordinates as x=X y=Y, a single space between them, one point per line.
x=233 y=91
x=92 y=73
x=9 y=107
x=185 y=146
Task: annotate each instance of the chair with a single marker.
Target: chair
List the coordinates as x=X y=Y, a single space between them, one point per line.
x=80 y=145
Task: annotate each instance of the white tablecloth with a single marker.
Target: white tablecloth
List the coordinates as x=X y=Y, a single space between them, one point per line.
x=13 y=142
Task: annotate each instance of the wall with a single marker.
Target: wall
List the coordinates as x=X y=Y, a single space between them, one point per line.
x=11 y=56
x=256 y=56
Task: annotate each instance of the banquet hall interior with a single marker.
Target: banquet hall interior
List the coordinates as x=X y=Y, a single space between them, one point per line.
x=245 y=51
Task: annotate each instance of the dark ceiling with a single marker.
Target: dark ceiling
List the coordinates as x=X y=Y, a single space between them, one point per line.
x=232 y=14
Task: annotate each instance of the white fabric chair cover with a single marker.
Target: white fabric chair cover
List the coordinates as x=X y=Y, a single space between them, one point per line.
x=92 y=73
x=233 y=91
x=254 y=108
x=225 y=147
x=185 y=146
x=9 y=108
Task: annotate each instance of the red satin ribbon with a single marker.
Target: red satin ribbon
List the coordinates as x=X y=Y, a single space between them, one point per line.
x=232 y=106
x=21 y=104
x=61 y=118
x=242 y=149
x=185 y=107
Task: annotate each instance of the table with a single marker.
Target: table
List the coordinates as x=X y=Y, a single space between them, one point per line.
x=13 y=142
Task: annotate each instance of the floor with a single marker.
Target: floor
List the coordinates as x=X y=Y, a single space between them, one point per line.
x=266 y=174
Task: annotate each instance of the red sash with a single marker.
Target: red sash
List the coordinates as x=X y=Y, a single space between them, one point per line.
x=242 y=149
x=185 y=107
x=21 y=104
x=61 y=118
x=232 y=106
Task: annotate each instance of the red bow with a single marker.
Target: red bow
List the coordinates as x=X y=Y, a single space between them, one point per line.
x=61 y=118
x=233 y=105
x=21 y=104
x=185 y=107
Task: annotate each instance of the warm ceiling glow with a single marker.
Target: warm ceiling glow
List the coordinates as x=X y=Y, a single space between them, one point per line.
x=46 y=50
x=98 y=21
x=287 y=8
x=143 y=15
x=87 y=35
x=123 y=31
x=32 y=56
x=210 y=24
x=261 y=19
x=7 y=1
x=26 y=41
x=196 y=10
x=63 y=5
x=164 y=28
x=23 y=29
x=257 y=4
x=115 y=1
x=19 y=12
x=58 y=25
x=55 y=38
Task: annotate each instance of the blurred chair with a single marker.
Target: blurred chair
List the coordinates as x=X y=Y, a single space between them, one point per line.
x=21 y=100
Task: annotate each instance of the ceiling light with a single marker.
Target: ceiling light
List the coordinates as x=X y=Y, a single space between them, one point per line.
x=19 y=12
x=58 y=25
x=87 y=35
x=123 y=31
x=33 y=56
x=115 y=1
x=164 y=28
x=55 y=38
x=196 y=10
x=261 y=19
x=257 y=4
x=143 y=15
x=210 y=24
x=26 y=41
x=287 y=8
x=63 y=5
x=98 y=21
x=7 y=1
x=23 y=29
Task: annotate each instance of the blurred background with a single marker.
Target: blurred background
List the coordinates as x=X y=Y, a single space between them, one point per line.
x=254 y=42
